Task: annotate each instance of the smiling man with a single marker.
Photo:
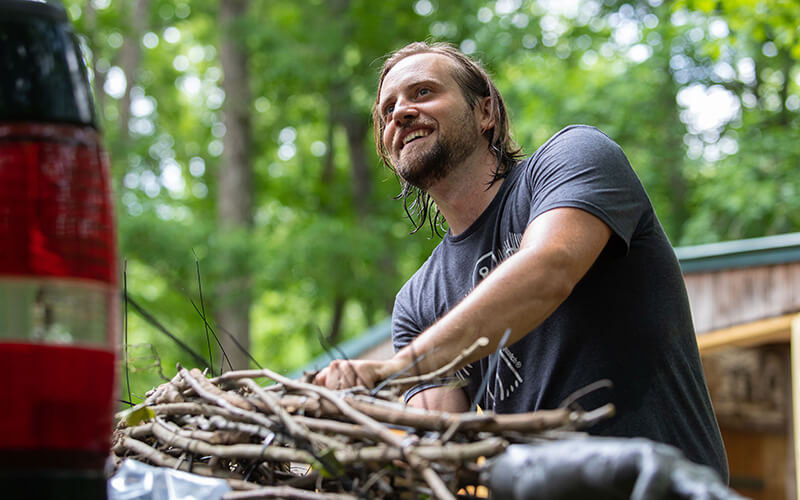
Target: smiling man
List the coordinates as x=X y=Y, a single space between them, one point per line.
x=561 y=249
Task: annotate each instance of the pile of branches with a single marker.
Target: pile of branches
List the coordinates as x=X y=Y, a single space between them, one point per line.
x=294 y=439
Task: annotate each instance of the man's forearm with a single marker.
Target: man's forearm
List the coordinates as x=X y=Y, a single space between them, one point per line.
x=507 y=298
x=449 y=399
x=518 y=295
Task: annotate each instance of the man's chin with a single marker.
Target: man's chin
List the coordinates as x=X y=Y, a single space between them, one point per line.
x=417 y=180
x=422 y=168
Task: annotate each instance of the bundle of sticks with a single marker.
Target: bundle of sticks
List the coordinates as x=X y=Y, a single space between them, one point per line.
x=294 y=439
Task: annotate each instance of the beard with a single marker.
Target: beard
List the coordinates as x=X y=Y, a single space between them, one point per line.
x=423 y=168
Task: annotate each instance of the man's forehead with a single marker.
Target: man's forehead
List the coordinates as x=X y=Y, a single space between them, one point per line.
x=415 y=68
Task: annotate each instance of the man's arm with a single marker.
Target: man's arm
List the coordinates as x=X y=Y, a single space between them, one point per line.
x=557 y=249
x=441 y=398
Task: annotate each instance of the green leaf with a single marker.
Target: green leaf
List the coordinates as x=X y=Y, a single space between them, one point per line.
x=136 y=415
x=327 y=464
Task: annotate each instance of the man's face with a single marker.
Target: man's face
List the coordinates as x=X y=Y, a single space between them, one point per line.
x=429 y=129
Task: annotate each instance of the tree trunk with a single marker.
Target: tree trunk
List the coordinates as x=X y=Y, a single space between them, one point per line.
x=672 y=161
x=786 y=68
x=356 y=129
x=235 y=199
x=130 y=56
x=334 y=335
x=99 y=78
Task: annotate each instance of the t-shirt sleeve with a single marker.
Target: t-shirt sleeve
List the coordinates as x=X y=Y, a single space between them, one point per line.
x=581 y=167
x=404 y=327
x=404 y=330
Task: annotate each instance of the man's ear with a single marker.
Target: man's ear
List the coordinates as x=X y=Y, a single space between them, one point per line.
x=486 y=118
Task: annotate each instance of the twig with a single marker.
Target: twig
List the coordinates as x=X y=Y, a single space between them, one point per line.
x=209 y=328
x=293 y=428
x=589 y=418
x=193 y=408
x=203 y=312
x=218 y=437
x=224 y=403
x=345 y=441
x=479 y=343
x=328 y=347
x=398 y=374
x=221 y=423
x=155 y=323
x=572 y=398
x=236 y=342
x=246 y=451
x=285 y=492
x=125 y=443
x=125 y=327
x=430 y=476
x=335 y=427
x=198 y=443
x=491 y=372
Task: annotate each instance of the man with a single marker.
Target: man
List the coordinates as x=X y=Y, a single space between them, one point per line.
x=563 y=250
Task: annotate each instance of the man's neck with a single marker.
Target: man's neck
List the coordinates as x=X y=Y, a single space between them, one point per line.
x=465 y=193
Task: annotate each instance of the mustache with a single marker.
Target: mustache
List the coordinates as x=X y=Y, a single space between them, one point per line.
x=416 y=122
x=402 y=129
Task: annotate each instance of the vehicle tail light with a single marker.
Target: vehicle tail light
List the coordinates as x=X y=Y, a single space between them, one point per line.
x=59 y=298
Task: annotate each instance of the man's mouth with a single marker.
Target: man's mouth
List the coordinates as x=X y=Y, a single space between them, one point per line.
x=416 y=134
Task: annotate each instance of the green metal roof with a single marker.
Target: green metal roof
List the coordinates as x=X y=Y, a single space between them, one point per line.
x=352 y=348
x=768 y=250
x=765 y=251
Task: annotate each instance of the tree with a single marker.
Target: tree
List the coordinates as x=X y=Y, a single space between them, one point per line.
x=320 y=247
x=234 y=199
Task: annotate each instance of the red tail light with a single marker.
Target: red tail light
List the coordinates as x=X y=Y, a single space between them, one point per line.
x=55 y=206
x=59 y=302
x=57 y=256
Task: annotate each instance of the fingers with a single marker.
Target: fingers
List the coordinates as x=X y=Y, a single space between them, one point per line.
x=337 y=375
x=321 y=377
x=342 y=374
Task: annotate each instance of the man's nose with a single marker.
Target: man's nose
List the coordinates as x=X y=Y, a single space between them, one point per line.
x=404 y=112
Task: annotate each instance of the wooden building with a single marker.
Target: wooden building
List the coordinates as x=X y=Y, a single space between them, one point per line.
x=745 y=296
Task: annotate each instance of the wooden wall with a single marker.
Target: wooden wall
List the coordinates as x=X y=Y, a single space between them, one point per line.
x=751 y=392
x=734 y=296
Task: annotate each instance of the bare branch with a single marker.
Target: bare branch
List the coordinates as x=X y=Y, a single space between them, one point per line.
x=294 y=439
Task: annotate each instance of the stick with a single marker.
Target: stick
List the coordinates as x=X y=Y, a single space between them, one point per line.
x=479 y=343
x=125 y=443
x=295 y=429
x=247 y=451
x=433 y=480
x=285 y=492
x=221 y=401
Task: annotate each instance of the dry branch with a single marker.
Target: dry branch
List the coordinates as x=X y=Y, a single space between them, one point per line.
x=262 y=440
x=285 y=492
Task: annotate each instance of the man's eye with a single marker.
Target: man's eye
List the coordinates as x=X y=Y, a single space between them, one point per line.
x=424 y=92
x=388 y=110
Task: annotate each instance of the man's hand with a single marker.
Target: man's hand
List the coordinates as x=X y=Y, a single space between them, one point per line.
x=342 y=374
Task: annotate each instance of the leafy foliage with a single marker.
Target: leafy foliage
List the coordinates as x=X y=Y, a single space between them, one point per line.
x=703 y=96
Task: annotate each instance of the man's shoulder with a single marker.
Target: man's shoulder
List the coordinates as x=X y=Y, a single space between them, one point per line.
x=571 y=135
x=577 y=146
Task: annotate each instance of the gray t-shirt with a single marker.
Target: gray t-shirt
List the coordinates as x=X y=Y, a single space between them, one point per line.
x=627 y=320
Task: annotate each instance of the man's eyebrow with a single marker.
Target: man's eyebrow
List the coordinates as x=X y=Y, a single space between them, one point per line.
x=410 y=84
x=426 y=81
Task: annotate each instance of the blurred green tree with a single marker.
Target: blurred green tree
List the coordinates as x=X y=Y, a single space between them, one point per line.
x=703 y=96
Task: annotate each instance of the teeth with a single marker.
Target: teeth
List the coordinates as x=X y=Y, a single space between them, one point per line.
x=413 y=135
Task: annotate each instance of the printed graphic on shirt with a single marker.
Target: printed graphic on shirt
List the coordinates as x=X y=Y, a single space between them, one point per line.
x=508 y=365
x=508 y=375
x=489 y=260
